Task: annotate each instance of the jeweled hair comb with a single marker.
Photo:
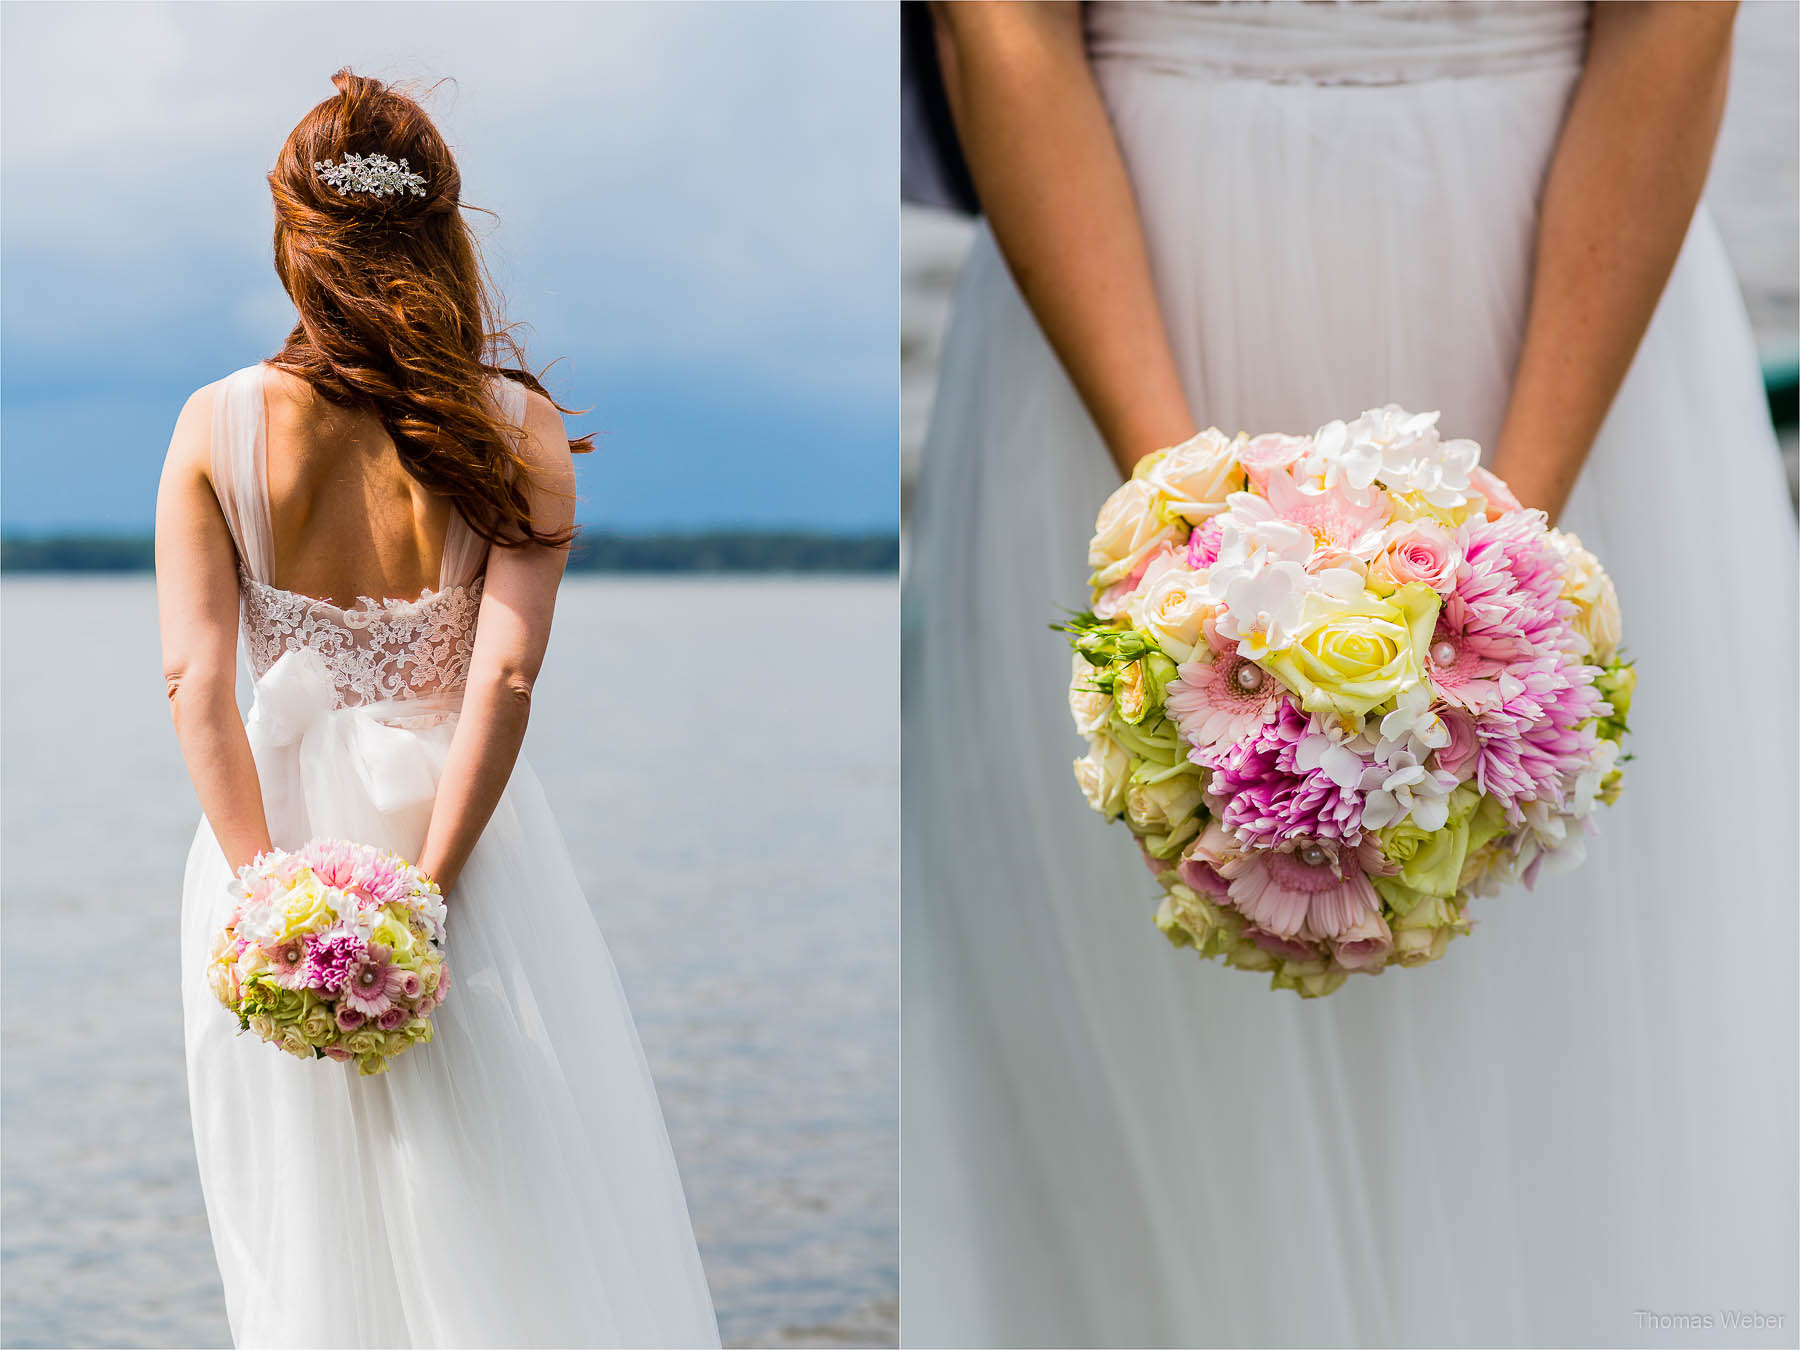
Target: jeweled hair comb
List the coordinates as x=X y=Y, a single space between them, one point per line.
x=370 y=173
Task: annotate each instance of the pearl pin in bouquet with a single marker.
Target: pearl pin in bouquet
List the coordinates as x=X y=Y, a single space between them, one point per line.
x=1337 y=685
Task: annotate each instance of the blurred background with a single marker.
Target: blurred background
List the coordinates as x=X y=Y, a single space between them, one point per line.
x=1754 y=192
x=695 y=219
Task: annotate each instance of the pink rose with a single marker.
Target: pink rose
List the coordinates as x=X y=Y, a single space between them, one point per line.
x=1458 y=757
x=1202 y=878
x=1417 y=551
x=1262 y=455
x=1287 y=948
x=338 y=1053
x=1365 y=944
x=348 y=1018
x=1500 y=499
x=393 y=1019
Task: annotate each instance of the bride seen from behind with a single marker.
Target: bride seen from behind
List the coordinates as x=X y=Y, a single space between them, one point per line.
x=383 y=510
x=1263 y=217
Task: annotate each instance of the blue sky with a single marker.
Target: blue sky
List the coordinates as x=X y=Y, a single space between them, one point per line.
x=696 y=213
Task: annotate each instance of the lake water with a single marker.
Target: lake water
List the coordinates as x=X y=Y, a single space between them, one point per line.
x=723 y=758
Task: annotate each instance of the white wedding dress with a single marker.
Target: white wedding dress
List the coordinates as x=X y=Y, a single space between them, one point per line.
x=509 y=1184
x=1581 y=1121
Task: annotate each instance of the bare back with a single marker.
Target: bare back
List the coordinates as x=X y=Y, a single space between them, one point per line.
x=347 y=519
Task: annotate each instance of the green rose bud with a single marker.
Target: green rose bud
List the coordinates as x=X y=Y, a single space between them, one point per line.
x=1431 y=861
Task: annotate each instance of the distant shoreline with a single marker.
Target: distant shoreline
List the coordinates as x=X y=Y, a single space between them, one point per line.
x=706 y=551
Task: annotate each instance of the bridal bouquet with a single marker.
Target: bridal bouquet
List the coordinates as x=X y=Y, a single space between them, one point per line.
x=333 y=951
x=1338 y=684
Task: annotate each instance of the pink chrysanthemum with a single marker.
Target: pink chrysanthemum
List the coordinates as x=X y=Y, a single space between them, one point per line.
x=331 y=956
x=1533 y=739
x=1262 y=795
x=1203 y=544
x=1223 y=699
x=1316 y=893
x=373 y=983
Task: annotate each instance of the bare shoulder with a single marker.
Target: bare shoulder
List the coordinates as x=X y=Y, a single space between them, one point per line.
x=190 y=447
x=546 y=441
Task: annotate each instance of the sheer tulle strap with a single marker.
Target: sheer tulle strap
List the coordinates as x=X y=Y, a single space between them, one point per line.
x=465 y=551
x=239 y=468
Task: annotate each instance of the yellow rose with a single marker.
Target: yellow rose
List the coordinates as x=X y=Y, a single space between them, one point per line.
x=1104 y=774
x=396 y=935
x=1195 y=477
x=1413 y=506
x=305 y=908
x=1128 y=531
x=1360 y=654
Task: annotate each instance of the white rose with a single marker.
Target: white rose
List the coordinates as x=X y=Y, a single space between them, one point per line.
x=1103 y=773
x=1127 y=532
x=1197 y=475
x=1087 y=705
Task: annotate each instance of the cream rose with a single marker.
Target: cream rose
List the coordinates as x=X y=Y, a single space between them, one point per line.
x=1189 y=919
x=1127 y=532
x=1586 y=585
x=1102 y=774
x=1171 y=607
x=1090 y=707
x=1197 y=476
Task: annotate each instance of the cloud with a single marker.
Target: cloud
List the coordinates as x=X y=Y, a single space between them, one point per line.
x=699 y=197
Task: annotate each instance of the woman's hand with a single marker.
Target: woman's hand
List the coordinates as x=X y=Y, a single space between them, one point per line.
x=1053 y=187
x=1623 y=183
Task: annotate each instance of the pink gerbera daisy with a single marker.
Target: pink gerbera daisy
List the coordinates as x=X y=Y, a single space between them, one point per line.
x=287 y=963
x=1221 y=699
x=373 y=982
x=1316 y=893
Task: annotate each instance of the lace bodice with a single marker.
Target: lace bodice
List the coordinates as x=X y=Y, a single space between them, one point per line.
x=375 y=649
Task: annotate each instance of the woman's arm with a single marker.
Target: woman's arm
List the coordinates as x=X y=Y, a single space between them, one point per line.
x=196 y=604
x=1052 y=184
x=1622 y=188
x=518 y=600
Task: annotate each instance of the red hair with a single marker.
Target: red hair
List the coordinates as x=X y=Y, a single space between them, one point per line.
x=396 y=313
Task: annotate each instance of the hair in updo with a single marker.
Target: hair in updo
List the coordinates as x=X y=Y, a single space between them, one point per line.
x=396 y=312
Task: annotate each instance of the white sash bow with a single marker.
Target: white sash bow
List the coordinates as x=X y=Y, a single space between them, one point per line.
x=296 y=704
